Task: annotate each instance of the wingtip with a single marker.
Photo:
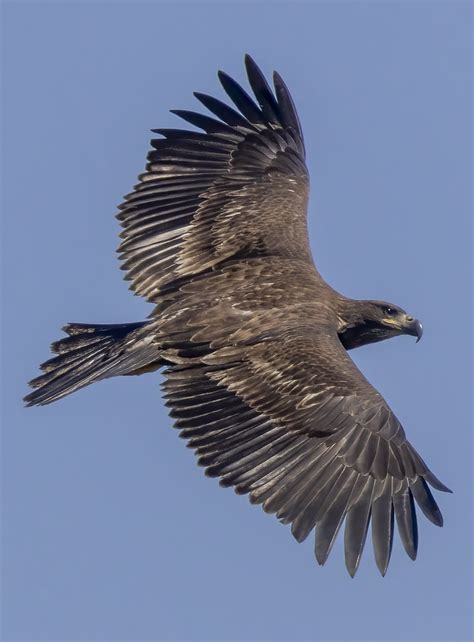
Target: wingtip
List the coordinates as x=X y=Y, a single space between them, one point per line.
x=382 y=558
x=436 y=483
x=250 y=64
x=277 y=78
x=299 y=537
x=321 y=557
x=352 y=564
x=352 y=568
x=222 y=74
x=320 y=561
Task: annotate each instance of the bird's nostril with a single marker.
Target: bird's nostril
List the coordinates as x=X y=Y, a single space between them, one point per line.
x=409 y=318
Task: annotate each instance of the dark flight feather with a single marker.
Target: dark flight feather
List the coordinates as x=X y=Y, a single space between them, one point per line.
x=262 y=91
x=382 y=526
x=223 y=111
x=287 y=109
x=242 y=100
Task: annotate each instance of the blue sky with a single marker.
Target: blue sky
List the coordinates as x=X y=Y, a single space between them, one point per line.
x=110 y=530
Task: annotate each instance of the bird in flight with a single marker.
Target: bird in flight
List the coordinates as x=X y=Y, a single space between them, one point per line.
x=252 y=341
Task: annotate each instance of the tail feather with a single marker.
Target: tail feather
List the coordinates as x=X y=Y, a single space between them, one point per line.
x=90 y=353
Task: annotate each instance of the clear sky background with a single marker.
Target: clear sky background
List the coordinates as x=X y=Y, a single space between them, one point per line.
x=110 y=530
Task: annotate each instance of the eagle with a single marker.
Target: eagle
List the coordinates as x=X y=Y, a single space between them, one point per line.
x=253 y=343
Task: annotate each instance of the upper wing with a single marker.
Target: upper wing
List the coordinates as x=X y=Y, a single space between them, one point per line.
x=292 y=421
x=239 y=189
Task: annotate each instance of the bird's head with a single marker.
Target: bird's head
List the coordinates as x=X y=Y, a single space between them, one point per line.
x=371 y=321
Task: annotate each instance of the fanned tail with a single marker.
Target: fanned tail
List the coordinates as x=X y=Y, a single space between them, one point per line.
x=89 y=353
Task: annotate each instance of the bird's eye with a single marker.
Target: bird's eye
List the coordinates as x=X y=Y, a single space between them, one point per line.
x=390 y=312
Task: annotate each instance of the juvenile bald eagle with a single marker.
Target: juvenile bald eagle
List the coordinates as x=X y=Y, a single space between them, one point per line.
x=252 y=340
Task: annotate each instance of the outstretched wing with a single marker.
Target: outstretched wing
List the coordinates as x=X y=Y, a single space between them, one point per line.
x=238 y=189
x=292 y=421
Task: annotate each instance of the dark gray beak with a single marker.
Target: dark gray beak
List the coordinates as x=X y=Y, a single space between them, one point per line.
x=419 y=330
x=414 y=328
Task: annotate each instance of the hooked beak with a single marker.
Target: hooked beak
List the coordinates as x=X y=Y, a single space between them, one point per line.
x=414 y=328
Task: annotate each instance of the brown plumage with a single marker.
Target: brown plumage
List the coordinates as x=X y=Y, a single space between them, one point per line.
x=252 y=340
